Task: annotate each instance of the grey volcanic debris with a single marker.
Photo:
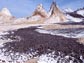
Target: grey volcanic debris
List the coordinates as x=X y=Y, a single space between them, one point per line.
x=32 y=41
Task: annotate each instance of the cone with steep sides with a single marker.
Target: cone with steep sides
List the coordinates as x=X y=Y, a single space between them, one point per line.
x=6 y=16
x=38 y=14
x=55 y=15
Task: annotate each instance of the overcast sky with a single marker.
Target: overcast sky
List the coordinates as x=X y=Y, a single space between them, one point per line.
x=21 y=8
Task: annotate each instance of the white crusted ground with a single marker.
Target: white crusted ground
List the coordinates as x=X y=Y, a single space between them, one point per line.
x=56 y=32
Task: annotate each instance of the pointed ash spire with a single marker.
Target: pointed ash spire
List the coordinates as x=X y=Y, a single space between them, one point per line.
x=55 y=11
x=5 y=11
x=55 y=15
x=40 y=11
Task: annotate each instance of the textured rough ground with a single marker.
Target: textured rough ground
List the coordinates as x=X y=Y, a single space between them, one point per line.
x=43 y=43
x=59 y=26
x=32 y=61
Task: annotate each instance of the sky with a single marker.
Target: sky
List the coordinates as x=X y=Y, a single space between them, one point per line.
x=23 y=8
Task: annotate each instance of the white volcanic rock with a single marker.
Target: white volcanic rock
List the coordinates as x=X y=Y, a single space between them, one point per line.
x=73 y=19
x=35 y=18
x=81 y=12
x=19 y=21
x=53 y=20
x=55 y=15
x=68 y=10
x=6 y=19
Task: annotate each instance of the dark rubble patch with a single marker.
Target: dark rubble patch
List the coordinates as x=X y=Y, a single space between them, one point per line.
x=30 y=39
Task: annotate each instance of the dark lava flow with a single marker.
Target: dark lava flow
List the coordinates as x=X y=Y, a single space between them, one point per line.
x=30 y=39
